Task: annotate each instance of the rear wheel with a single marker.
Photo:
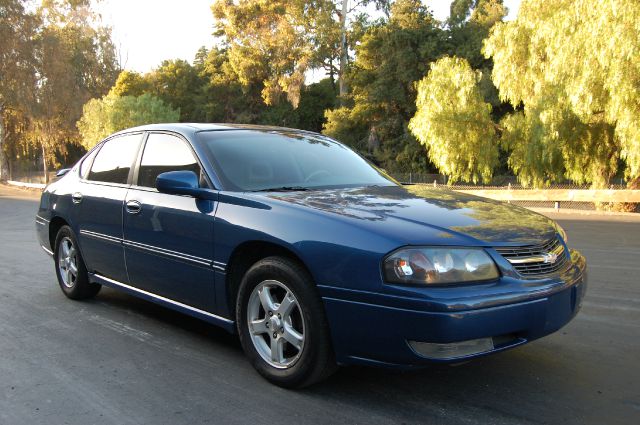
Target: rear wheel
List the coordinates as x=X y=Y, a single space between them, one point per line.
x=70 y=268
x=282 y=325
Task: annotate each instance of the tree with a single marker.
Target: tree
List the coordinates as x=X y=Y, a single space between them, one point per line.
x=225 y=98
x=131 y=83
x=454 y=122
x=179 y=84
x=273 y=43
x=268 y=43
x=391 y=57
x=102 y=117
x=17 y=70
x=573 y=68
x=74 y=62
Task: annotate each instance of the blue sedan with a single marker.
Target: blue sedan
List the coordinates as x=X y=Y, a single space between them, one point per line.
x=312 y=255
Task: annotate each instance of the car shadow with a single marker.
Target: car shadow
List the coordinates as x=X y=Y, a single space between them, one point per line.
x=166 y=317
x=508 y=387
x=437 y=375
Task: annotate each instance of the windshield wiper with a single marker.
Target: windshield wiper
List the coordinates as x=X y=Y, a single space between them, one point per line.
x=283 y=189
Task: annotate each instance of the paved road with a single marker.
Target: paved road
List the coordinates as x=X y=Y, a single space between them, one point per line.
x=119 y=360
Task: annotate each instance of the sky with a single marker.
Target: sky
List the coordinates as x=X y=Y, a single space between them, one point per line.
x=147 y=32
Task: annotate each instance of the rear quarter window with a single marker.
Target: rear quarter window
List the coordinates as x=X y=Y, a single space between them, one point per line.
x=85 y=166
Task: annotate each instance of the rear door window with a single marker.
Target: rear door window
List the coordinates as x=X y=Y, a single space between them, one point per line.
x=115 y=159
x=163 y=153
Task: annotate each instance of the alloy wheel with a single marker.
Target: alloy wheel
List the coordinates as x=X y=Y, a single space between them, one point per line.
x=276 y=325
x=67 y=262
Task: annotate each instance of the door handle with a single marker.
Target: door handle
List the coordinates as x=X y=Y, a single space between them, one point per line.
x=133 y=207
x=76 y=198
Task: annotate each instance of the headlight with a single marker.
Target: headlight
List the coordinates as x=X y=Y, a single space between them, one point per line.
x=435 y=266
x=563 y=233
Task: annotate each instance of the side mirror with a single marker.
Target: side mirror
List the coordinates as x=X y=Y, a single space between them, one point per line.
x=62 y=172
x=182 y=183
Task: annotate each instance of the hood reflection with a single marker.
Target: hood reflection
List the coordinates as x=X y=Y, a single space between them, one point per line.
x=480 y=218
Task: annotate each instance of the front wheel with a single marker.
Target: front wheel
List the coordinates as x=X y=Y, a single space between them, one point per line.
x=70 y=268
x=282 y=324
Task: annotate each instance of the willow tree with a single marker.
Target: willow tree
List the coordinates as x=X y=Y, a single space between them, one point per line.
x=573 y=67
x=454 y=122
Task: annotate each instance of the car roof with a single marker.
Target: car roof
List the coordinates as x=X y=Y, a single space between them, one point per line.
x=191 y=128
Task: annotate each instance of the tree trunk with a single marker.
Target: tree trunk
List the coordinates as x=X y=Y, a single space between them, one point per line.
x=343 y=51
x=4 y=163
x=44 y=166
x=332 y=77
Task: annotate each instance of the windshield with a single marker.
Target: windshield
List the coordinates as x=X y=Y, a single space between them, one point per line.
x=254 y=160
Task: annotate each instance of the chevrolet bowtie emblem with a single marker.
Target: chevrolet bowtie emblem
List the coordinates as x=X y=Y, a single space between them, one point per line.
x=550 y=257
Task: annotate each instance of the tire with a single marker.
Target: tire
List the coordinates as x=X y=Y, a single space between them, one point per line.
x=70 y=268
x=297 y=311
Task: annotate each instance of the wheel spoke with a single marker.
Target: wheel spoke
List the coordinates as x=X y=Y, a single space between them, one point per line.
x=72 y=252
x=258 y=327
x=287 y=305
x=266 y=300
x=65 y=248
x=277 y=351
x=293 y=337
x=73 y=268
x=68 y=275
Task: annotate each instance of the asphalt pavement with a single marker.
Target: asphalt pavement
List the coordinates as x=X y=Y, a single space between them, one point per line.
x=120 y=360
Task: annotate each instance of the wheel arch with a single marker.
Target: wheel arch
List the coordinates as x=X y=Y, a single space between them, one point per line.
x=54 y=227
x=247 y=254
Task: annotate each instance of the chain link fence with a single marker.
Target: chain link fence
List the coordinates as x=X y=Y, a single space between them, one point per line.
x=507 y=183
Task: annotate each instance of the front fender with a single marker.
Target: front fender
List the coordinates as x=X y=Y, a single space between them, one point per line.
x=335 y=252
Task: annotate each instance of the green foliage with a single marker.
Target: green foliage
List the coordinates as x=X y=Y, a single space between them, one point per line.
x=536 y=162
x=454 y=122
x=72 y=68
x=53 y=58
x=17 y=73
x=314 y=100
x=274 y=42
x=179 y=84
x=112 y=113
x=391 y=57
x=573 y=65
x=130 y=83
x=469 y=24
x=341 y=125
x=17 y=62
x=224 y=97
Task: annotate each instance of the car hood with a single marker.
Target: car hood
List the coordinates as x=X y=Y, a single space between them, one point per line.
x=407 y=210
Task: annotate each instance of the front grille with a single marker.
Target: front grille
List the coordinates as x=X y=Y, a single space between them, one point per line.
x=536 y=260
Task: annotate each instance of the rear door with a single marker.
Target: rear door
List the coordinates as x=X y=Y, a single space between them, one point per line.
x=100 y=199
x=169 y=238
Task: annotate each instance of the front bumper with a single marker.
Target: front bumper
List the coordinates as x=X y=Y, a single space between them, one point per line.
x=373 y=329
